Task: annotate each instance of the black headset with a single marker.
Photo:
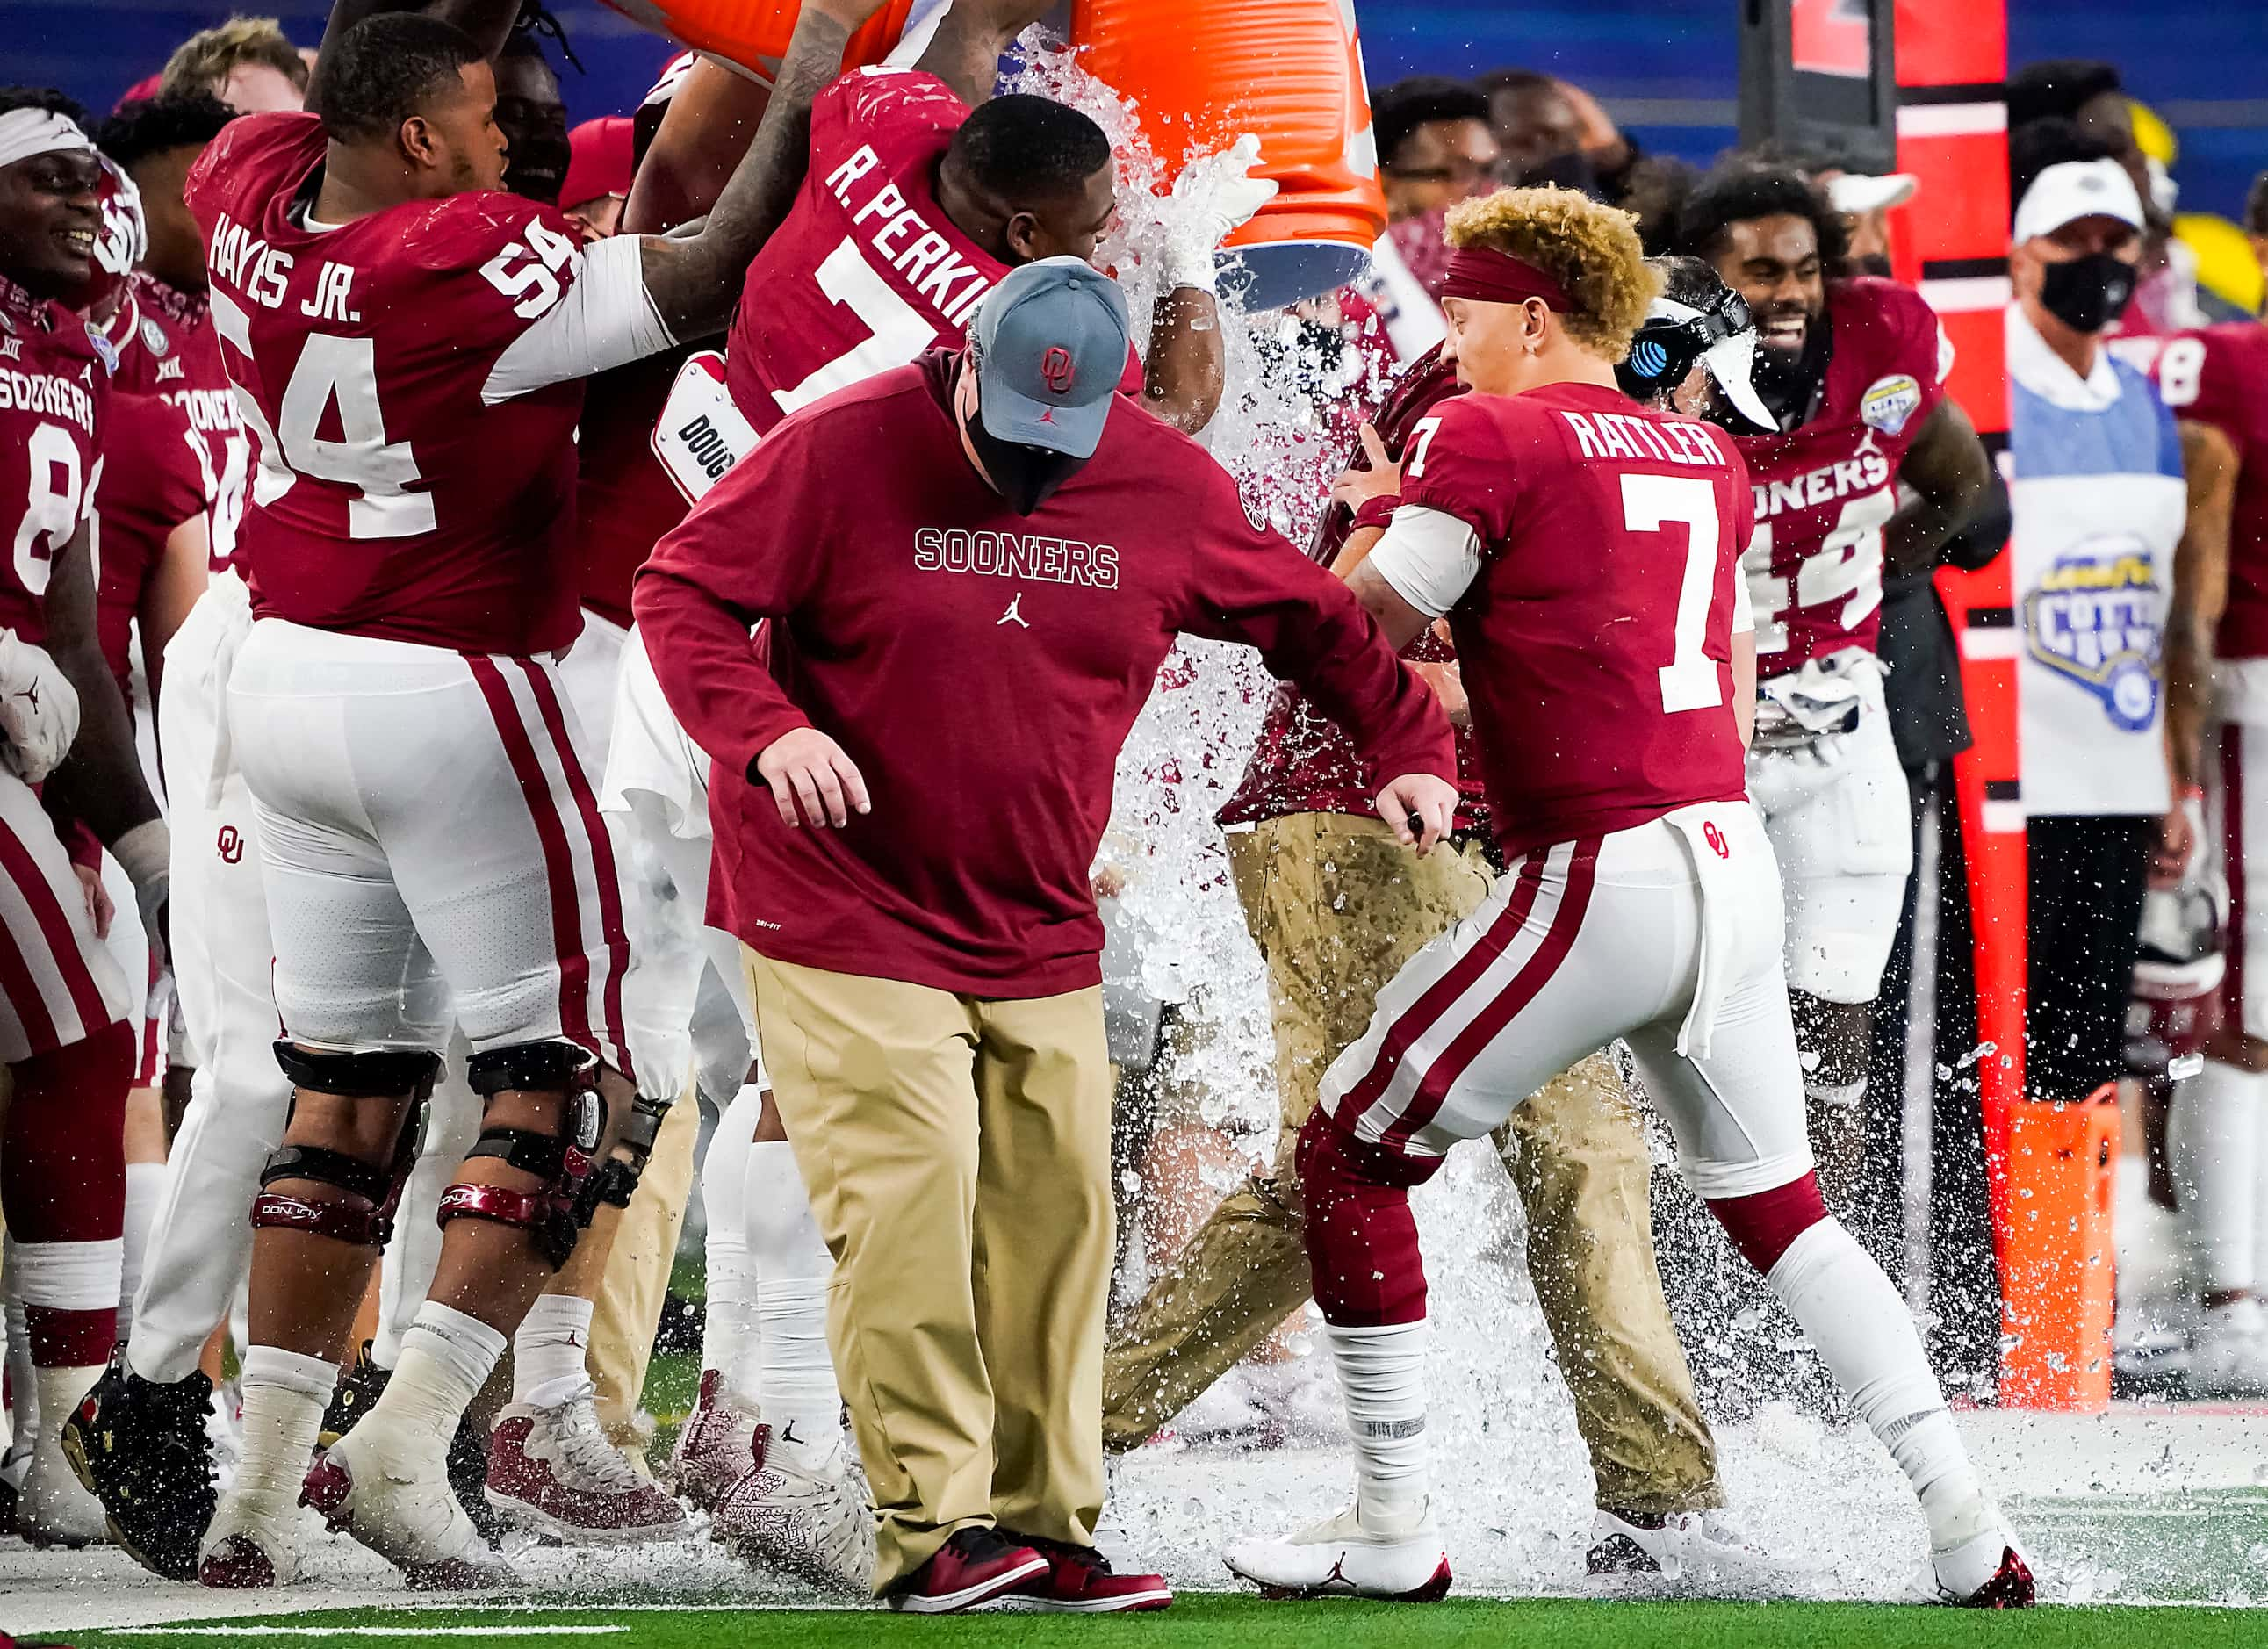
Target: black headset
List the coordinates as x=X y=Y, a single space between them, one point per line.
x=1667 y=347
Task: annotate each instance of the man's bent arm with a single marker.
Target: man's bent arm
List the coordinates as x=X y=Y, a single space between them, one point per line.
x=1950 y=472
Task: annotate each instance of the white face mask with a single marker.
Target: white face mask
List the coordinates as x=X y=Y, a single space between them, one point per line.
x=1732 y=363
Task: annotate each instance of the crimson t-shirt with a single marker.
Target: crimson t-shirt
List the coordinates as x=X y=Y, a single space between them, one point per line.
x=982 y=668
x=1596 y=642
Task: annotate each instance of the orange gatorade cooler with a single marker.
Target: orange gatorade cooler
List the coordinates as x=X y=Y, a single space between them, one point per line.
x=752 y=35
x=1289 y=71
x=2058 y=1281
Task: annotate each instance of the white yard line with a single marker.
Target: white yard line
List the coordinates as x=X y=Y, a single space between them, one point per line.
x=366 y=1631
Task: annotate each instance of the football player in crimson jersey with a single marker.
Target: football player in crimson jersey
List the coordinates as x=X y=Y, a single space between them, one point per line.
x=1610 y=694
x=1851 y=372
x=63 y=1002
x=1335 y=917
x=2219 y=1148
x=412 y=578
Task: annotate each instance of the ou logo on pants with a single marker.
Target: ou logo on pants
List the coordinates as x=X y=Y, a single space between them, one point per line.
x=231 y=844
x=1710 y=833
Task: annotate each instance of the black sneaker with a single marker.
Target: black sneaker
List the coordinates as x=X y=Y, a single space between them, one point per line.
x=141 y=1448
x=356 y=1396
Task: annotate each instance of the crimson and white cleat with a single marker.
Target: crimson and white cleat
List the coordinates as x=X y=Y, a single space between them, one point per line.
x=1340 y=1557
x=554 y=1471
x=721 y=1443
x=815 y=1525
x=400 y=1506
x=1987 y=1570
x=1694 y=1548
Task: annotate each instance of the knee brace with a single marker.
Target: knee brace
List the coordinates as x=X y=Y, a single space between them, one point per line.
x=371 y=1194
x=616 y=1181
x=565 y=1161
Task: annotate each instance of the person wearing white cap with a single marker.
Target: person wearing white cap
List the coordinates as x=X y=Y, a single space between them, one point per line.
x=2098 y=503
x=1865 y=202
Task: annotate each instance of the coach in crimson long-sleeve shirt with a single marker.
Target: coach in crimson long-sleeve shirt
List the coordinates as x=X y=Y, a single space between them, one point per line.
x=927 y=969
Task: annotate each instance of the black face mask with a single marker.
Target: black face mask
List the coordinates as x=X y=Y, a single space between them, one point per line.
x=1571 y=171
x=2088 y=294
x=1025 y=476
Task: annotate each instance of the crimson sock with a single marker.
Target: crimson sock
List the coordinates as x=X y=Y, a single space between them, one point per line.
x=1362 y=1239
x=62 y=1185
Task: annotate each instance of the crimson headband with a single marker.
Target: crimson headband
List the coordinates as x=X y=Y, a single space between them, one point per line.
x=1497 y=277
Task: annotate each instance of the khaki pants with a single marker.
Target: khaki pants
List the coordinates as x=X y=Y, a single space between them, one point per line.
x=1336 y=907
x=627 y=1308
x=957 y=1151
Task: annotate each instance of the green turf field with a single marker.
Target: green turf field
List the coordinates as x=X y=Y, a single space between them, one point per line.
x=1212 y=1619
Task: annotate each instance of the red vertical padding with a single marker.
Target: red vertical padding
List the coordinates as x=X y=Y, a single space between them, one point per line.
x=1951 y=67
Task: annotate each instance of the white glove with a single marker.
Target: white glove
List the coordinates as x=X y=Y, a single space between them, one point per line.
x=1215 y=194
x=39 y=709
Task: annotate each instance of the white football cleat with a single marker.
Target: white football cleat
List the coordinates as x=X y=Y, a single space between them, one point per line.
x=815 y=1525
x=53 y=1508
x=1987 y=1570
x=1695 y=1549
x=247 y=1550
x=400 y=1505
x=2229 y=1356
x=1340 y=1557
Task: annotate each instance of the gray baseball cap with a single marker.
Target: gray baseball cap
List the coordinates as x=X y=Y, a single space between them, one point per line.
x=1051 y=342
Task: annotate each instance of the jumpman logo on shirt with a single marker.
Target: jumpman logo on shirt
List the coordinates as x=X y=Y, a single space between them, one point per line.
x=1014 y=615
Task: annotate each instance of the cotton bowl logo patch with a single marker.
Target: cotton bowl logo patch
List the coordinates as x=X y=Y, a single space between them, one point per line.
x=1889 y=403
x=154 y=340
x=2094 y=619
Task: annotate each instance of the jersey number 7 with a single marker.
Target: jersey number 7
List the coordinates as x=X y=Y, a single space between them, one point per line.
x=1653 y=504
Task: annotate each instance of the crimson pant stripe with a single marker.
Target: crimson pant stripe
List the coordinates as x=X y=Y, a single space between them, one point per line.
x=551 y=833
x=2232 y=832
x=1442 y=994
x=16 y=861
x=611 y=923
x=17 y=981
x=1489 y=1023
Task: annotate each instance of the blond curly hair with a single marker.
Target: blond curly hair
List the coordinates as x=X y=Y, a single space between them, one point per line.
x=1591 y=250
x=201 y=64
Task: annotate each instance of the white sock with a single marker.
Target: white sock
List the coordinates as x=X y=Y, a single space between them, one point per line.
x=796 y=1385
x=145 y=1187
x=2213 y=1140
x=1859 y=1323
x=730 y=1336
x=285 y=1396
x=446 y=1357
x=2260 y=1207
x=1382 y=1375
x=548 y=1350
x=1841 y=1096
x=23 y=1389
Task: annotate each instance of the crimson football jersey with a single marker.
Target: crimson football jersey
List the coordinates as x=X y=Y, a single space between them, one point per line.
x=1305 y=761
x=416 y=472
x=152 y=481
x=2220 y=376
x=1825 y=491
x=1595 y=641
x=55 y=390
x=166 y=346
x=867 y=271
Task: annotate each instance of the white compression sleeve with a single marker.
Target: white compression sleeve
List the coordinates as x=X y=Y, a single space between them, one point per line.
x=1429 y=556
x=605 y=319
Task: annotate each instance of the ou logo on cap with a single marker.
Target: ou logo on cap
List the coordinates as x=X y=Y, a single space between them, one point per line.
x=1057 y=369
